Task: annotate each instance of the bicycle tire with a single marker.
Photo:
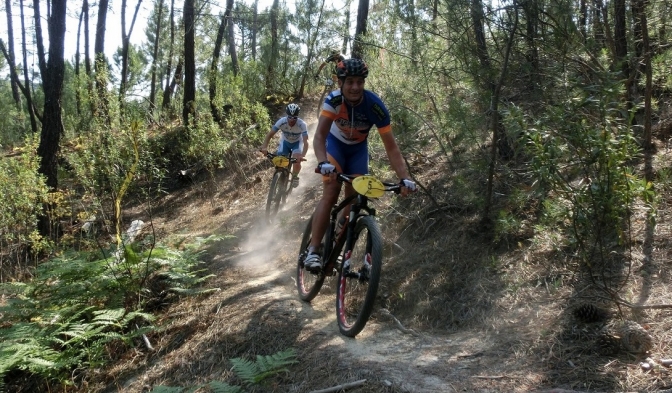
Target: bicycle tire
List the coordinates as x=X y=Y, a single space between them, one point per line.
x=308 y=284
x=355 y=297
x=275 y=194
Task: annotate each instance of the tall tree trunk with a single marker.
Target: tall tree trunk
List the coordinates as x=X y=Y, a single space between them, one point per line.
x=189 y=102
x=78 y=89
x=360 y=29
x=100 y=64
x=255 y=29
x=214 y=69
x=232 y=38
x=14 y=75
x=125 y=43
x=495 y=121
x=30 y=103
x=346 y=28
x=155 y=60
x=52 y=127
x=531 y=9
x=39 y=41
x=168 y=91
x=311 y=41
x=270 y=71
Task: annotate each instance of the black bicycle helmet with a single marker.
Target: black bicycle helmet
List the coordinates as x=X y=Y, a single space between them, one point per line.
x=352 y=67
x=293 y=110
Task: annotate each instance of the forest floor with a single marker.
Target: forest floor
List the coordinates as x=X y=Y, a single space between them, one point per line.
x=457 y=312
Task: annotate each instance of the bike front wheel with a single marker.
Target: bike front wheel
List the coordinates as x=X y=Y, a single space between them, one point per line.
x=359 y=277
x=308 y=283
x=275 y=194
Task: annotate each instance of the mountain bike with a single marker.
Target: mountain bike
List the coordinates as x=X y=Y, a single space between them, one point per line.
x=354 y=252
x=329 y=85
x=281 y=183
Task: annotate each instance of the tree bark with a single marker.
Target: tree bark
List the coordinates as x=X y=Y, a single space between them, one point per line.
x=170 y=87
x=155 y=56
x=214 y=68
x=232 y=38
x=14 y=75
x=255 y=29
x=52 y=127
x=360 y=29
x=30 y=103
x=189 y=102
x=125 y=43
x=270 y=71
x=100 y=64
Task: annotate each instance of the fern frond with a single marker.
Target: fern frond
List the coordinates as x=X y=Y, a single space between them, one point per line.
x=166 y=389
x=223 y=387
x=265 y=366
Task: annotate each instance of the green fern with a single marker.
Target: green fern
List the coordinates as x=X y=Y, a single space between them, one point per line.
x=265 y=366
x=223 y=387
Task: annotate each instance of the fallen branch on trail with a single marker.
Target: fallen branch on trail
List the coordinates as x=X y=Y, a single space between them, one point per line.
x=338 y=388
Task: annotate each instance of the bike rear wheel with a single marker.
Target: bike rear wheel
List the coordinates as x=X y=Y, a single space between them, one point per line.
x=308 y=283
x=276 y=194
x=359 y=277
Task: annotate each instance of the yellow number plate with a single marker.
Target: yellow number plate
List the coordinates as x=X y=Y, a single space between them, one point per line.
x=368 y=186
x=280 y=161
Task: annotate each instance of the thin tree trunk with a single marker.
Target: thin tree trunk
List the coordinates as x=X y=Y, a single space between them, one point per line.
x=155 y=55
x=100 y=64
x=189 y=101
x=125 y=43
x=360 y=29
x=14 y=76
x=232 y=38
x=495 y=120
x=270 y=72
x=214 y=65
x=39 y=41
x=168 y=91
x=255 y=29
x=32 y=111
x=311 y=41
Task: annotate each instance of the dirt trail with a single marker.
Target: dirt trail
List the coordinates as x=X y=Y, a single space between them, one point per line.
x=257 y=307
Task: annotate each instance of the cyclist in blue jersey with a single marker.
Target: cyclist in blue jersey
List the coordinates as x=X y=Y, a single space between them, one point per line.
x=293 y=137
x=340 y=143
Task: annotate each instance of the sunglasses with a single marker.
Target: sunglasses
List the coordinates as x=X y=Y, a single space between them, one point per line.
x=292 y=117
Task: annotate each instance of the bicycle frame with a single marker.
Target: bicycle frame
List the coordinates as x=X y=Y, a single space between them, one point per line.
x=335 y=241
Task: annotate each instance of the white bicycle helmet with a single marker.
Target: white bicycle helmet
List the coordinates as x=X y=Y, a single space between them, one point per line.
x=293 y=110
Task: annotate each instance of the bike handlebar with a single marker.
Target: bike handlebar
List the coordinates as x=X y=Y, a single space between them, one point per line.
x=292 y=160
x=342 y=177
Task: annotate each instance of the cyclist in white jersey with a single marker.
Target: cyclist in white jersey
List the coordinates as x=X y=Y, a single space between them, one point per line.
x=293 y=137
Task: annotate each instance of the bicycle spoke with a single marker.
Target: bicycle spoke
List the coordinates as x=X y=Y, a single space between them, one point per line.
x=358 y=280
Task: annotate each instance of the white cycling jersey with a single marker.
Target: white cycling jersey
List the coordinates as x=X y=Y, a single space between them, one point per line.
x=291 y=134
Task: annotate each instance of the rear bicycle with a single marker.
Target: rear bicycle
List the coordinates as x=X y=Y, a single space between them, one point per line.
x=280 y=184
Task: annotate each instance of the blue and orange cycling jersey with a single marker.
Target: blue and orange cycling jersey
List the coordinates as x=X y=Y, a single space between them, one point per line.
x=352 y=123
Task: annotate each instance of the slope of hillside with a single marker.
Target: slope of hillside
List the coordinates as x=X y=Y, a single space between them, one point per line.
x=457 y=312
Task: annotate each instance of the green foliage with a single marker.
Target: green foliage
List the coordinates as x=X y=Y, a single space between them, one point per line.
x=252 y=373
x=265 y=366
x=78 y=305
x=580 y=152
x=22 y=192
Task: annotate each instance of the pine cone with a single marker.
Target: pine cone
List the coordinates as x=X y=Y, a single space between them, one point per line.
x=635 y=338
x=590 y=313
x=608 y=344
